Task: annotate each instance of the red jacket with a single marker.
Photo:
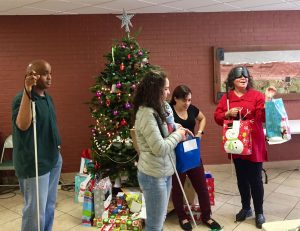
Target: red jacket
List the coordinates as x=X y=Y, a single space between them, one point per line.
x=254 y=102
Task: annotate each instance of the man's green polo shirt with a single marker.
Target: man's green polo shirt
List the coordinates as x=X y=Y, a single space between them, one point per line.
x=48 y=138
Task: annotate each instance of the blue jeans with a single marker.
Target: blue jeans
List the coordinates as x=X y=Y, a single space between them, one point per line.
x=157 y=193
x=47 y=199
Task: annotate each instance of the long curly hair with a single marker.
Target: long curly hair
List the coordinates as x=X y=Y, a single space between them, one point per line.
x=237 y=72
x=149 y=92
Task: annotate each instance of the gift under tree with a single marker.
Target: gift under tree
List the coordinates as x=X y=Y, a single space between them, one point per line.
x=111 y=109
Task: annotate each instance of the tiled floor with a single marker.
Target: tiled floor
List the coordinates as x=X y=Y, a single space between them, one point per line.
x=282 y=201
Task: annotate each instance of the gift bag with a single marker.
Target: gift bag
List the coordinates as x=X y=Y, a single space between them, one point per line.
x=277 y=124
x=88 y=209
x=188 y=154
x=102 y=196
x=237 y=137
x=210 y=182
x=80 y=188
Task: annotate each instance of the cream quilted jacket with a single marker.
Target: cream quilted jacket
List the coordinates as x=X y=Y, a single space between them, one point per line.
x=154 y=149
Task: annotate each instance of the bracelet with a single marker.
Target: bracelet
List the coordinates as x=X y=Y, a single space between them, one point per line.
x=201 y=132
x=27 y=93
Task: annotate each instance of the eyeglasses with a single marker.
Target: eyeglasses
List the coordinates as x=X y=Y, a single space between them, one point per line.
x=239 y=72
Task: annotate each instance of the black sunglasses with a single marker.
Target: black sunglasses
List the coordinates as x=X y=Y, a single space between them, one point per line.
x=239 y=72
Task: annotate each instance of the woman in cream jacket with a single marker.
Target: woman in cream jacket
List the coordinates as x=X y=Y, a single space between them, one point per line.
x=156 y=146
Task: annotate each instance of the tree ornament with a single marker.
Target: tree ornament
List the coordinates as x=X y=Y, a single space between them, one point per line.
x=122 y=45
x=115 y=112
x=118 y=85
x=107 y=102
x=140 y=52
x=123 y=122
x=97 y=165
x=144 y=62
x=127 y=105
x=122 y=66
x=128 y=56
x=133 y=86
x=98 y=94
x=113 y=54
x=113 y=88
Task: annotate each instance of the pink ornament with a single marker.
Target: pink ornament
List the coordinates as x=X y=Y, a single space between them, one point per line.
x=98 y=93
x=118 y=85
x=115 y=113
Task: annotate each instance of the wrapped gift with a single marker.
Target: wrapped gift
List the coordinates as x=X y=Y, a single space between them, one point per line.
x=120 y=200
x=134 y=201
x=237 y=137
x=108 y=227
x=137 y=225
x=98 y=222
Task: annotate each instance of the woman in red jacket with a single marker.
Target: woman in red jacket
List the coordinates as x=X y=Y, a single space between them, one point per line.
x=248 y=103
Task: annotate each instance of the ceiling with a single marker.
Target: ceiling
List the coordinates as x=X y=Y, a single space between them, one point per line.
x=59 y=7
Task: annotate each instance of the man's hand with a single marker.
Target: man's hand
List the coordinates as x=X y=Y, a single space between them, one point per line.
x=31 y=80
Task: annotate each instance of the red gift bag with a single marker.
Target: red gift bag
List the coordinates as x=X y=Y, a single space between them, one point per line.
x=237 y=137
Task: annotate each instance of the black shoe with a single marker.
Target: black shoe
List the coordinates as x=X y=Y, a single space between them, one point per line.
x=212 y=224
x=243 y=214
x=259 y=220
x=186 y=226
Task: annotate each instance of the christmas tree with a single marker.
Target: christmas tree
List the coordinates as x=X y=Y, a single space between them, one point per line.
x=111 y=108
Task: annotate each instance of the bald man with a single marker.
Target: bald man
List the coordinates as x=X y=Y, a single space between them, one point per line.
x=37 y=80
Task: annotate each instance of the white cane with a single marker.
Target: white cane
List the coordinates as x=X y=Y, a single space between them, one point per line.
x=36 y=164
x=181 y=187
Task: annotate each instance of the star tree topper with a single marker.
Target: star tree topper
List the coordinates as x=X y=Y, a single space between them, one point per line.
x=125 y=20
